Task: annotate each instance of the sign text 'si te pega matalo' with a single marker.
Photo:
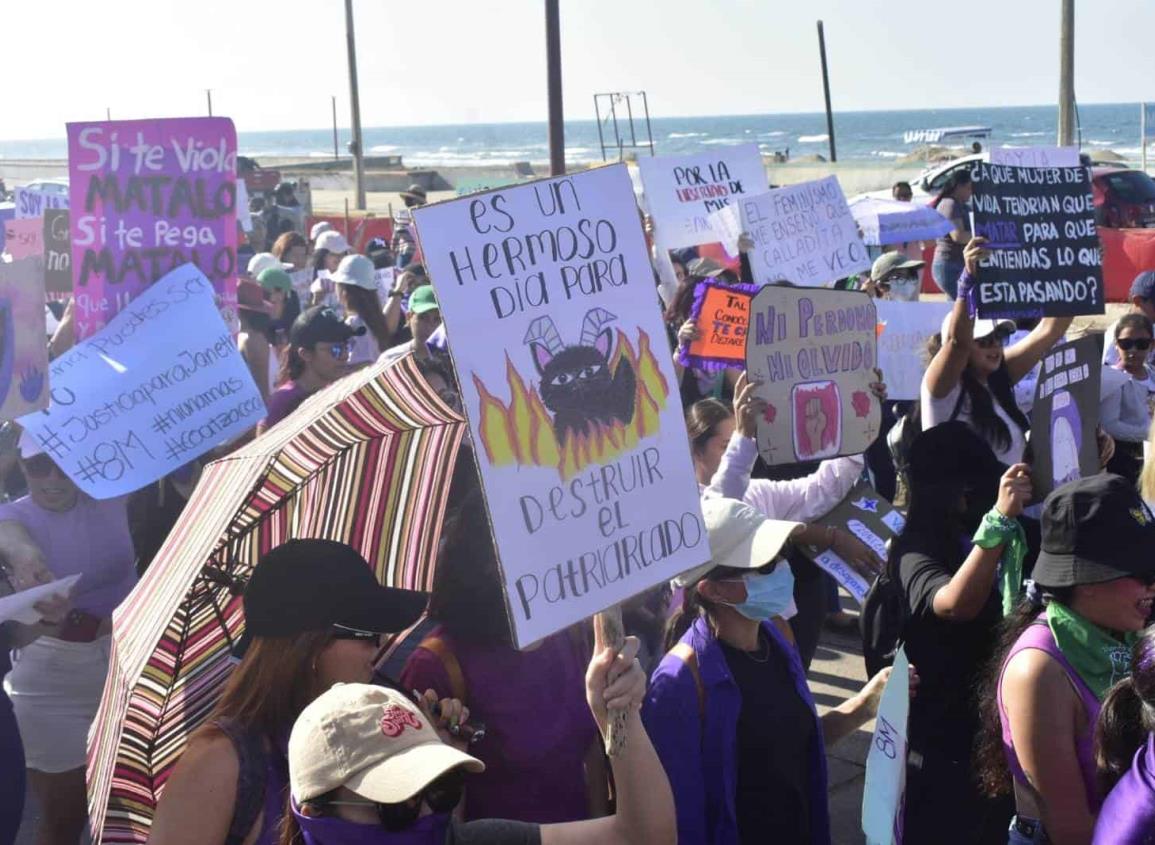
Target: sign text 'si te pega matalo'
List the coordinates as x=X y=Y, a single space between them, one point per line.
x=148 y=196
x=1040 y=226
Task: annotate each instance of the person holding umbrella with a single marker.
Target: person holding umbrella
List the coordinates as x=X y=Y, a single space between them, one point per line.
x=314 y=615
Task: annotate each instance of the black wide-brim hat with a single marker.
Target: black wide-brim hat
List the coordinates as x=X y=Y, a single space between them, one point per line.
x=311 y=585
x=953 y=453
x=1095 y=529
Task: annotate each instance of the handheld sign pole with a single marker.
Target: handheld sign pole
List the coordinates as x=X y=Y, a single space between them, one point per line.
x=610 y=632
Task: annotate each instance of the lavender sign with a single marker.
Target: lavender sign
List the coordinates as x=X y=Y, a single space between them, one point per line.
x=148 y=196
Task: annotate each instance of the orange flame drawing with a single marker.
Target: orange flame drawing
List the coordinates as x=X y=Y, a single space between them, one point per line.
x=521 y=432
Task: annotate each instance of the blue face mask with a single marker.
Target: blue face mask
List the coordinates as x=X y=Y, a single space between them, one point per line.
x=767 y=594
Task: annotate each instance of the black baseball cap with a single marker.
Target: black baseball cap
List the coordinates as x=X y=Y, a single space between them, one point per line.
x=310 y=585
x=952 y=452
x=1095 y=529
x=320 y=324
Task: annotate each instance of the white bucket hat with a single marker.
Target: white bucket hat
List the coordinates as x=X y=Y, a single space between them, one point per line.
x=333 y=241
x=740 y=538
x=318 y=228
x=356 y=270
x=371 y=740
x=262 y=261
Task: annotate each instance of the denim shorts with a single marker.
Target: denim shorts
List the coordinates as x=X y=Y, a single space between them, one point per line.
x=1024 y=831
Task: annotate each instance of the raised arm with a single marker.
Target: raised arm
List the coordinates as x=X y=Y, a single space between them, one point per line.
x=1022 y=357
x=946 y=368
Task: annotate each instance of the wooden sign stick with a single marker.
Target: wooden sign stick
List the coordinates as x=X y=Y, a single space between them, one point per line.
x=610 y=633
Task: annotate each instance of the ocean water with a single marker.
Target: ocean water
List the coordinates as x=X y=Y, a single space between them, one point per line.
x=859 y=136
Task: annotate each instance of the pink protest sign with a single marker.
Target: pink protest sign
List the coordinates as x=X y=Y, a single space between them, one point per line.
x=148 y=196
x=23 y=238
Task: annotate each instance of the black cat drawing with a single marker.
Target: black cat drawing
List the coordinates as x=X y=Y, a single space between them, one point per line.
x=576 y=383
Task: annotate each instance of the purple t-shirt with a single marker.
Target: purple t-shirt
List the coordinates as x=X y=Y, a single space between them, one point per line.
x=92 y=539
x=538 y=725
x=283 y=401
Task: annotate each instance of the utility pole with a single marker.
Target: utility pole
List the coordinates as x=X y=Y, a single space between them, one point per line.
x=355 y=104
x=209 y=97
x=1067 y=75
x=826 y=91
x=553 y=83
x=107 y=113
x=336 y=154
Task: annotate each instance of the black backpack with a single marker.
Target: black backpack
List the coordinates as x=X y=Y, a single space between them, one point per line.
x=881 y=621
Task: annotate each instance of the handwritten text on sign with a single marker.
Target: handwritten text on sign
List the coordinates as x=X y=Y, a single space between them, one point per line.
x=160 y=385
x=33 y=202
x=802 y=233
x=885 y=787
x=682 y=191
x=722 y=313
x=57 y=252
x=813 y=354
x=1040 y=226
x=547 y=292
x=1065 y=414
x=147 y=197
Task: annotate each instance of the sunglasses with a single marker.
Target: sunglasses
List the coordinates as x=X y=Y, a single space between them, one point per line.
x=340 y=350
x=344 y=632
x=40 y=466
x=1128 y=343
x=999 y=338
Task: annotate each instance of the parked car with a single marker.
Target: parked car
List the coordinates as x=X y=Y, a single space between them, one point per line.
x=1124 y=199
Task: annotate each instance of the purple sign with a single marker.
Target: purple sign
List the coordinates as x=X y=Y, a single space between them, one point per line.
x=148 y=196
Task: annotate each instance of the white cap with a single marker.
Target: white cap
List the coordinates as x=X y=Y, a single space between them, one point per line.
x=29 y=446
x=262 y=261
x=356 y=270
x=332 y=241
x=740 y=538
x=318 y=228
x=371 y=740
x=983 y=327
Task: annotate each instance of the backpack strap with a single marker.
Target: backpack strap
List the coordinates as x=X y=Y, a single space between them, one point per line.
x=685 y=652
x=449 y=661
x=252 y=778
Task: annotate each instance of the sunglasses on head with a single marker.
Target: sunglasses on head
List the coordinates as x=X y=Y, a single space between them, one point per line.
x=1128 y=343
x=344 y=632
x=40 y=466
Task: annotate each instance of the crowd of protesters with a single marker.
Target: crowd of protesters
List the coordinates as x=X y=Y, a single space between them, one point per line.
x=1032 y=683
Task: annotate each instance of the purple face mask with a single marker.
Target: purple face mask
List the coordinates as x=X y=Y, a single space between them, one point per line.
x=428 y=830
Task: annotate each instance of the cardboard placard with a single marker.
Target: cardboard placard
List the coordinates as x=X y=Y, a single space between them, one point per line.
x=722 y=314
x=147 y=197
x=803 y=234
x=23 y=337
x=1036 y=156
x=1040 y=224
x=23 y=238
x=160 y=385
x=1065 y=415
x=682 y=191
x=57 y=252
x=547 y=295
x=884 y=791
x=814 y=353
x=903 y=330
x=33 y=202
x=870 y=518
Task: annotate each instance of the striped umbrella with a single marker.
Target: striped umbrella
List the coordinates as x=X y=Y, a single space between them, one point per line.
x=366 y=461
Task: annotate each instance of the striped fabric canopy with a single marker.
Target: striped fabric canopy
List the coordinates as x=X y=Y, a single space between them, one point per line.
x=366 y=461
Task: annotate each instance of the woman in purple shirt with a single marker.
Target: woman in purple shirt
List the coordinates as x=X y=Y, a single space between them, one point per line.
x=1125 y=753
x=728 y=708
x=57 y=679
x=1067 y=644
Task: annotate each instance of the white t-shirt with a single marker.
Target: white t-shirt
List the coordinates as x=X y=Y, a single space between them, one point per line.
x=363 y=348
x=936 y=411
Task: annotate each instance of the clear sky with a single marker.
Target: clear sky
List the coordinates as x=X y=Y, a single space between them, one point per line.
x=273 y=64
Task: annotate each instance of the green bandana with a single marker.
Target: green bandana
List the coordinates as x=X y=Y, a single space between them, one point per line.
x=1100 y=659
x=998 y=530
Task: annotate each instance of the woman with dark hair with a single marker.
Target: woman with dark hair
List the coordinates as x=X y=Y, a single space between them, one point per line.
x=292 y=248
x=1127 y=394
x=694 y=383
x=357 y=292
x=314 y=615
x=317 y=355
x=970 y=378
x=538 y=769
x=953 y=610
x=1067 y=644
x=1125 y=753
x=724 y=453
x=951 y=203
x=329 y=248
x=728 y=707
